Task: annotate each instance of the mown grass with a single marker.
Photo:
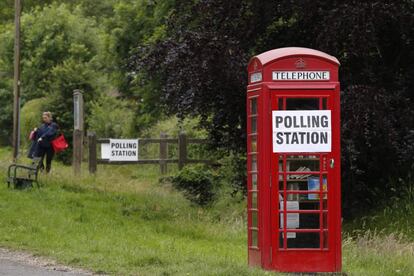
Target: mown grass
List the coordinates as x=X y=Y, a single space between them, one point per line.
x=145 y=230
x=123 y=222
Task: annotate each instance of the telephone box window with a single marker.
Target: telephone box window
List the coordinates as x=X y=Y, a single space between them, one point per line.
x=280 y=103
x=254 y=238
x=302 y=103
x=253 y=144
x=253 y=124
x=254 y=218
x=253 y=106
x=254 y=200
x=324 y=103
x=253 y=166
x=254 y=181
x=253 y=196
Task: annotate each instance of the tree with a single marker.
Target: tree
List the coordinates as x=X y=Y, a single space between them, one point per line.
x=200 y=65
x=59 y=55
x=135 y=23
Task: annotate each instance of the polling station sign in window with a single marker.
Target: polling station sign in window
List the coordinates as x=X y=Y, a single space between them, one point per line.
x=120 y=150
x=301 y=131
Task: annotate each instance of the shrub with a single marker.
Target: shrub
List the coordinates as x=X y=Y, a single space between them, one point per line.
x=198 y=183
x=233 y=172
x=115 y=124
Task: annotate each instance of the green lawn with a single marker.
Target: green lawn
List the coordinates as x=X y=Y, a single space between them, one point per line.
x=123 y=222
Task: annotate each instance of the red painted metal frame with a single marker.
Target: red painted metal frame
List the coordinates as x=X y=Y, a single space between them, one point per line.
x=267 y=254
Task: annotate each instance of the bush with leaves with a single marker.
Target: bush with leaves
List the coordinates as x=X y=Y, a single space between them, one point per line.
x=198 y=183
x=59 y=55
x=116 y=124
x=6 y=111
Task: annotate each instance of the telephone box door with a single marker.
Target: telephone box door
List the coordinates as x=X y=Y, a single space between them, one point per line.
x=304 y=191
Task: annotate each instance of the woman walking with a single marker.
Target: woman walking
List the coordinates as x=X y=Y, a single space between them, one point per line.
x=43 y=137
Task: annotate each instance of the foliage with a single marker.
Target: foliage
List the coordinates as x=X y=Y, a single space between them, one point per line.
x=6 y=111
x=135 y=22
x=59 y=53
x=233 y=172
x=377 y=146
x=117 y=124
x=31 y=114
x=188 y=59
x=373 y=41
x=198 y=183
x=201 y=67
x=172 y=126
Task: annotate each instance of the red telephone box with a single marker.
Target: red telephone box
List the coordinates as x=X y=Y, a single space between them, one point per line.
x=294 y=188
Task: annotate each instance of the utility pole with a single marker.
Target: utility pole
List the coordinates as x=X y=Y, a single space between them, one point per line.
x=16 y=83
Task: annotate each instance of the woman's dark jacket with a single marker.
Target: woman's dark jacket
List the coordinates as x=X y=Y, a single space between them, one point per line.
x=48 y=133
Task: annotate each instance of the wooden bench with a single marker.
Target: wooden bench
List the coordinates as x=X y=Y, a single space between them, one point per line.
x=23 y=176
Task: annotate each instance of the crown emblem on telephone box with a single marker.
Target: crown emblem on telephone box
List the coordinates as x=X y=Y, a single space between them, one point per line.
x=300 y=63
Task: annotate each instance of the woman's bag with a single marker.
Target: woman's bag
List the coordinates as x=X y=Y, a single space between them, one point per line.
x=59 y=144
x=32 y=135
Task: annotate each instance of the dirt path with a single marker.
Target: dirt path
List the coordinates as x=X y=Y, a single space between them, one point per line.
x=21 y=263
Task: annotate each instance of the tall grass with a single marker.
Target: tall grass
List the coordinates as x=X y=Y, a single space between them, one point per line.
x=372 y=253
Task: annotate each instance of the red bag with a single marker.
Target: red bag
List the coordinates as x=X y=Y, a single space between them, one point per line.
x=60 y=144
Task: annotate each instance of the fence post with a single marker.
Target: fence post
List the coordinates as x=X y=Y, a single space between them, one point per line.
x=78 y=127
x=92 y=153
x=77 y=151
x=182 y=150
x=163 y=153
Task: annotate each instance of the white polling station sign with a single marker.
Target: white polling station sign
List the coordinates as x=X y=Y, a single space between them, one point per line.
x=120 y=150
x=301 y=130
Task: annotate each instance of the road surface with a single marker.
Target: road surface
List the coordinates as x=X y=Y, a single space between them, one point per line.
x=21 y=264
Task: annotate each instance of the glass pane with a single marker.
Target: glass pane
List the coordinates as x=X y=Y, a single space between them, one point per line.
x=303 y=240
x=254 y=238
x=254 y=200
x=254 y=181
x=302 y=163
x=254 y=218
x=304 y=202
x=253 y=163
x=253 y=144
x=280 y=104
x=304 y=182
x=302 y=103
x=253 y=106
x=325 y=239
x=314 y=185
x=325 y=103
x=325 y=220
x=254 y=124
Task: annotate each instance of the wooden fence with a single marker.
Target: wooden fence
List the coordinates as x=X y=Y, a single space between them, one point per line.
x=183 y=141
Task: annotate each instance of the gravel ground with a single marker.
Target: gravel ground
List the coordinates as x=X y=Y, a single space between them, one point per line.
x=20 y=263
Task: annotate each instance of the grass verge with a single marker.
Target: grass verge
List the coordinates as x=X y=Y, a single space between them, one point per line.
x=122 y=222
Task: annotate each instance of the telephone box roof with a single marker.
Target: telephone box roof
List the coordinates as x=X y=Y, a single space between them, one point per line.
x=275 y=54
